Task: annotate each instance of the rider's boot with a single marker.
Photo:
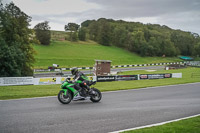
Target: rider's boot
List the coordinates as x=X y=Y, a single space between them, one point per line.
x=79 y=95
x=91 y=92
x=79 y=89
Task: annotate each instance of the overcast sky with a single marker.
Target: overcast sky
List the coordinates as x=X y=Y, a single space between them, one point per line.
x=177 y=14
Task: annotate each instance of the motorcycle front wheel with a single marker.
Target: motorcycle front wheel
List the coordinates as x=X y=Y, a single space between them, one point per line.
x=64 y=99
x=97 y=96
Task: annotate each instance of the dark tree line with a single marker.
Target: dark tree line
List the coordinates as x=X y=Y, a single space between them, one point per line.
x=73 y=28
x=42 y=32
x=16 y=53
x=144 y=39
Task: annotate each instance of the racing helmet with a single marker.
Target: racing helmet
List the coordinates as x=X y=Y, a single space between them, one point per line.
x=74 y=70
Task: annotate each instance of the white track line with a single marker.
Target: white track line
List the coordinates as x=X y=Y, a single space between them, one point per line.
x=106 y=91
x=157 y=124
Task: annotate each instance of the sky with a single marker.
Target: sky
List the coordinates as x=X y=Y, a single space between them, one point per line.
x=176 y=14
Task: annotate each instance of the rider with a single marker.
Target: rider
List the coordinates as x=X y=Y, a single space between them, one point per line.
x=78 y=75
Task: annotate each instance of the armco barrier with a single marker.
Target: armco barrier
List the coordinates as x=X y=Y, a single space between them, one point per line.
x=193 y=63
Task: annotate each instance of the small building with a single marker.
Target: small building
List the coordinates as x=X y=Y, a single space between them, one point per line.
x=102 y=67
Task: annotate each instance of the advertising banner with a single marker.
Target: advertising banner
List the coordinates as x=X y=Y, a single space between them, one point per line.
x=47 y=81
x=176 y=75
x=143 y=76
x=55 y=80
x=105 y=78
x=126 y=77
x=5 y=81
x=168 y=75
x=155 y=76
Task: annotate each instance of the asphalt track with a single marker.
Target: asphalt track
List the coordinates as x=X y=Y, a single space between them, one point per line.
x=117 y=111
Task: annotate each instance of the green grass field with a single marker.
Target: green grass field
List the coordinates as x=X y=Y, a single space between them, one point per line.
x=14 y=92
x=184 y=126
x=81 y=54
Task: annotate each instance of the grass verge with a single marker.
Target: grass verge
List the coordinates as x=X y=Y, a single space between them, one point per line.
x=190 y=125
x=14 y=92
x=82 y=54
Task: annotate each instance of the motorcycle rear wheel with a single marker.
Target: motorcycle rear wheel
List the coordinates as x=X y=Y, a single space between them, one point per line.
x=97 y=97
x=64 y=99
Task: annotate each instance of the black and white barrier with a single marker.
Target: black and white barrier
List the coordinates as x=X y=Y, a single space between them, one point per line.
x=193 y=63
x=118 y=66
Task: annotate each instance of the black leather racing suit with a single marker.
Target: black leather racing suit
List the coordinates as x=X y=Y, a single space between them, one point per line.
x=80 y=86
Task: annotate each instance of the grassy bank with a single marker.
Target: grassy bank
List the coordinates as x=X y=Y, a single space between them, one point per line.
x=13 y=92
x=184 y=126
x=80 y=54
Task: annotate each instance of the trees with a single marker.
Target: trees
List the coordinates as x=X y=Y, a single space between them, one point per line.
x=16 y=51
x=43 y=34
x=99 y=31
x=197 y=49
x=104 y=35
x=82 y=34
x=184 y=41
x=119 y=36
x=168 y=48
x=11 y=60
x=93 y=30
x=154 y=47
x=146 y=40
x=73 y=28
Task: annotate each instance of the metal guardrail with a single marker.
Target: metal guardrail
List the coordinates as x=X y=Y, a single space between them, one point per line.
x=193 y=63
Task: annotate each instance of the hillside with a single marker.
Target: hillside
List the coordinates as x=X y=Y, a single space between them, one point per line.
x=79 y=54
x=143 y=39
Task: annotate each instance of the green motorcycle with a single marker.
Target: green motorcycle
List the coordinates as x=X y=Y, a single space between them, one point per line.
x=69 y=92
